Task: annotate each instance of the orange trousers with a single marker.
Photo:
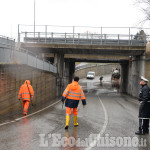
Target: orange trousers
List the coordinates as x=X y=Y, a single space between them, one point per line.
x=68 y=111
x=25 y=107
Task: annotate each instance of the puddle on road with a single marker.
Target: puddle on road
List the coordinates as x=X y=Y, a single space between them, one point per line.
x=94 y=87
x=106 y=91
x=97 y=89
x=90 y=85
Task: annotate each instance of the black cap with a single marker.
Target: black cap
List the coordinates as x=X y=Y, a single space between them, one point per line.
x=76 y=78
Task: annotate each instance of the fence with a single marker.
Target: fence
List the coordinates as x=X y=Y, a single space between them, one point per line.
x=90 y=39
x=84 y=35
x=6 y=42
x=9 y=54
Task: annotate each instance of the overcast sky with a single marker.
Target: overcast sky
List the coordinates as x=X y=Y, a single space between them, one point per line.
x=110 y=13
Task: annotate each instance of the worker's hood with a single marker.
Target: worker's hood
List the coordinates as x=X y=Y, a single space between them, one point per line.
x=74 y=85
x=27 y=82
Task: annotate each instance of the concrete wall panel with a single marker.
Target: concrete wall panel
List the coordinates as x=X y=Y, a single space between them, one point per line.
x=13 y=76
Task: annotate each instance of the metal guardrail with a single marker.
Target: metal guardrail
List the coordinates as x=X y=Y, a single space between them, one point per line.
x=84 y=35
x=10 y=55
x=86 y=66
x=6 y=42
x=90 y=39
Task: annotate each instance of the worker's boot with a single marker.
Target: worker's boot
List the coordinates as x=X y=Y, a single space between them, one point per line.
x=75 y=121
x=139 y=132
x=67 y=121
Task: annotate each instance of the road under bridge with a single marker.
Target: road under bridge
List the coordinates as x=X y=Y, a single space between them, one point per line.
x=134 y=59
x=109 y=115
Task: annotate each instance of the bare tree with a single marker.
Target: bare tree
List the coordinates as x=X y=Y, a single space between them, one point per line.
x=145 y=7
x=140 y=35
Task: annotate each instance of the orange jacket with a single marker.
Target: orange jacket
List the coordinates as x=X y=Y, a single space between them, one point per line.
x=74 y=91
x=26 y=91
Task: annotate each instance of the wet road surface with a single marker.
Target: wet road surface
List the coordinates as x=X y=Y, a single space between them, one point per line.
x=108 y=120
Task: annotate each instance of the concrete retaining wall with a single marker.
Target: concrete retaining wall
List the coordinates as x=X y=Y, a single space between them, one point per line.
x=147 y=62
x=13 y=76
x=99 y=70
x=135 y=71
x=140 y=66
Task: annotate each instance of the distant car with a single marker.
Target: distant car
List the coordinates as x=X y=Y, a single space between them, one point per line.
x=90 y=75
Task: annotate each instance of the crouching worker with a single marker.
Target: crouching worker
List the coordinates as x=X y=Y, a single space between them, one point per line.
x=26 y=93
x=73 y=93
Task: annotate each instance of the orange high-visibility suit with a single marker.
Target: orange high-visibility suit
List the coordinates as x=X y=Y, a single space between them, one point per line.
x=73 y=93
x=26 y=93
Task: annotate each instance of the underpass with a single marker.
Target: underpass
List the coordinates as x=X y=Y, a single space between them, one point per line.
x=108 y=114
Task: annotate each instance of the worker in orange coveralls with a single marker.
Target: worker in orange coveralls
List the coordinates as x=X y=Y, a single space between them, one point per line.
x=26 y=93
x=73 y=93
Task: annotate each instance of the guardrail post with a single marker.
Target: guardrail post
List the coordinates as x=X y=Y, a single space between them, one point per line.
x=105 y=38
x=65 y=38
x=129 y=36
x=25 y=34
x=73 y=34
x=52 y=37
x=101 y=35
x=18 y=34
x=131 y=39
x=91 y=39
x=45 y=33
x=78 y=38
x=118 y=39
x=38 y=36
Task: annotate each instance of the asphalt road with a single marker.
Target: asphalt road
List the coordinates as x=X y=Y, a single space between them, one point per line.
x=109 y=121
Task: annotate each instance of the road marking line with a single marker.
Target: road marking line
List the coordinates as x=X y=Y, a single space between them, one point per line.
x=103 y=128
x=29 y=114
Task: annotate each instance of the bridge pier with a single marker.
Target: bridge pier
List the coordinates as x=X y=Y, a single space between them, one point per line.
x=124 y=77
x=147 y=62
x=140 y=67
x=69 y=71
x=66 y=73
x=59 y=62
x=132 y=74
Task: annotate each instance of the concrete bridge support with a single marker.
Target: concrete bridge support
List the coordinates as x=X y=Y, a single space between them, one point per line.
x=131 y=73
x=147 y=62
x=124 y=77
x=71 y=70
x=59 y=62
x=66 y=73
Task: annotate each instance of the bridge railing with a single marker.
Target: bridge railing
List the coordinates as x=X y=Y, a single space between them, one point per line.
x=6 y=42
x=83 y=34
x=10 y=54
x=82 y=38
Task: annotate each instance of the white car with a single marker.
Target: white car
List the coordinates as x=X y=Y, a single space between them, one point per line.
x=90 y=75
